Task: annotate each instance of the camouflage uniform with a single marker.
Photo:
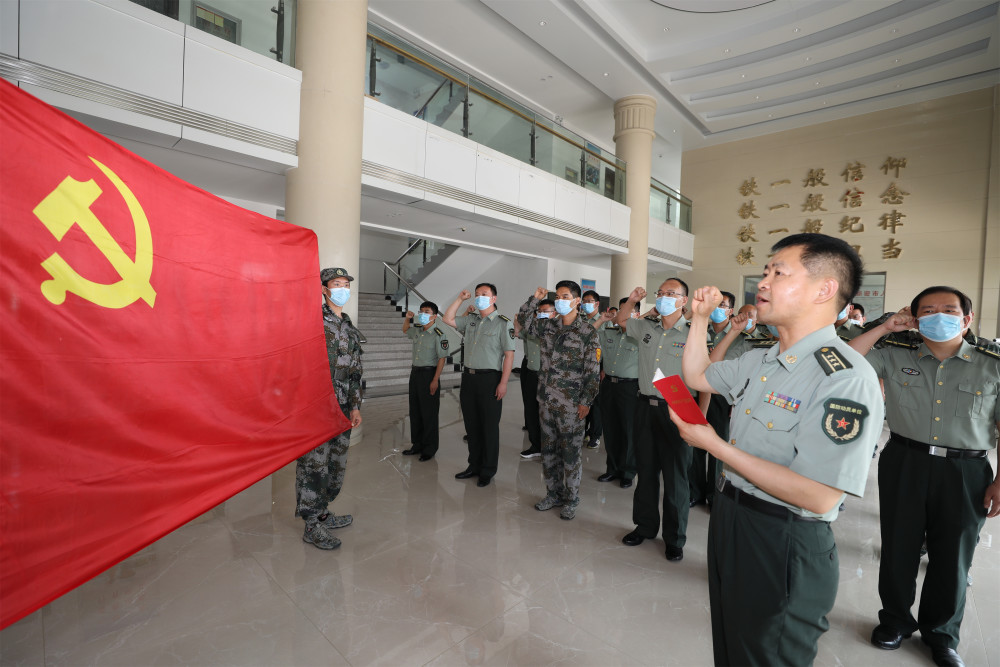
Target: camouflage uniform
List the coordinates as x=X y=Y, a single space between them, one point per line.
x=319 y=474
x=568 y=378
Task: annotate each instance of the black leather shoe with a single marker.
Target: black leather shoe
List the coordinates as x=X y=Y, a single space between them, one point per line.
x=426 y=457
x=483 y=481
x=410 y=452
x=633 y=539
x=674 y=554
x=946 y=657
x=466 y=474
x=607 y=477
x=695 y=503
x=626 y=483
x=887 y=637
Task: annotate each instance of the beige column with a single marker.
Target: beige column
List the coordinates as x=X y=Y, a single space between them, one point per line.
x=324 y=192
x=634 y=143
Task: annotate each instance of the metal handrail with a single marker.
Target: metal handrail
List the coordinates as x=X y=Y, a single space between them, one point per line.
x=409 y=286
x=407 y=251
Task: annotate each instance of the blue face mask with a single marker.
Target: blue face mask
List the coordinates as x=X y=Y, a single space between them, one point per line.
x=544 y=316
x=718 y=315
x=843 y=313
x=340 y=295
x=940 y=327
x=423 y=319
x=773 y=329
x=749 y=325
x=666 y=305
x=564 y=306
x=589 y=308
x=482 y=302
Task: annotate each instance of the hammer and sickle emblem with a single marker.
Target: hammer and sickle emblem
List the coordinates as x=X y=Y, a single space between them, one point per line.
x=70 y=204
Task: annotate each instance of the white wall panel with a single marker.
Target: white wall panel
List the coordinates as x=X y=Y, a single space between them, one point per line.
x=671 y=240
x=655 y=235
x=685 y=245
x=598 y=213
x=223 y=148
x=571 y=203
x=620 y=220
x=224 y=84
x=110 y=45
x=537 y=192
x=394 y=140
x=8 y=27
x=450 y=159
x=497 y=178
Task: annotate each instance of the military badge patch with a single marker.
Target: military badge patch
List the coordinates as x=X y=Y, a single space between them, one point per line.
x=512 y=334
x=680 y=345
x=444 y=344
x=910 y=371
x=843 y=420
x=783 y=402
x=646 y=338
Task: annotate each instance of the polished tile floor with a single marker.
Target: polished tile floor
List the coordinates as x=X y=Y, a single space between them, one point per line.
x=437 y=571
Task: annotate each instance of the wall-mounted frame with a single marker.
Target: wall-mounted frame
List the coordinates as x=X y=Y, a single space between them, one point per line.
x=216 y=22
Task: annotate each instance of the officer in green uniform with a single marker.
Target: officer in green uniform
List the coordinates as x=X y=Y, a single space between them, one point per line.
x=591 y=306
x=489 y=357
x=934 y=478
x=743 y=336
x=530 y=364
x=431 y=348
x=319 y=474
x=659 y=449
x=847 y=329
x=619 y=390
x=806 y=413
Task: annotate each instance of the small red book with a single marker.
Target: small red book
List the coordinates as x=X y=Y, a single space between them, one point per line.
x=677 y=395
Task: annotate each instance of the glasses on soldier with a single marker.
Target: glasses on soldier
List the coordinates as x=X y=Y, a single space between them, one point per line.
x=676 y=295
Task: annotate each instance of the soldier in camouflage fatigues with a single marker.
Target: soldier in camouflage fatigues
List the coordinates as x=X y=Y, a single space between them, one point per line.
x=568 y=381
x=319 y=474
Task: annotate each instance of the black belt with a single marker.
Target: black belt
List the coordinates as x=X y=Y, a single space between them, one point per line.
x=424 y=368
x=936 y=450
x=616 y=380
x=653 y=400
x=479 y=371
x=727 y=489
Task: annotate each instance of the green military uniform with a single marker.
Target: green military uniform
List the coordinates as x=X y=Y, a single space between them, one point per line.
x=659 y=449
x=815 y=408
x=429 y=345
x=319 y=474
x=486 y=341
x=595 y=422
x=569 y=377
x=530 y=364
x=704 y=468
x=933 y=476
x=849 y=330
x=620 y=360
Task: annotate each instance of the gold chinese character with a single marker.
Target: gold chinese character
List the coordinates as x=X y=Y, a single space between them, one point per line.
x=746 y=233
x=749 y=187
x=891 y=250
x=784 y=181
x=813 y=203
x=813 y=226
x=814 y=177
x=857 y=248
x=777 y=206
x=892 y=220
x=893 y=195
x=852 y=172
x=748 y=210
x=743 y=257
x=778 y=231
x=896 y=163
x=852 y=198
x=849 y=224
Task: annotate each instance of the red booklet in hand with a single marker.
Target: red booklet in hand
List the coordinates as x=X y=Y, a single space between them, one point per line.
x=672 y=388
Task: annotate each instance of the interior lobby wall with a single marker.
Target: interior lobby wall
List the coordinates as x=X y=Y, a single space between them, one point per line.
x=949 y=231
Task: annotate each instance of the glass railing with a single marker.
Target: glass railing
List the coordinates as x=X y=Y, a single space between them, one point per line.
x=408 y=79
x=669 y=206
x=266 y=27
x=400 y=276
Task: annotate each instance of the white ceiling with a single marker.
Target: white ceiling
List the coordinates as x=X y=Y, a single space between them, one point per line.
x=721 y=70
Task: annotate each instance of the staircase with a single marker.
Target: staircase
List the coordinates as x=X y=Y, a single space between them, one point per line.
x=388 y=352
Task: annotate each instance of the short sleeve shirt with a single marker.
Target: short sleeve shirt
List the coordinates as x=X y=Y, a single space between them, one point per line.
x=951 y=403
x=619 y=353
x=532 y=351
x=428 y=345
x=658 y=348
x=486 y=339
x=815 y=408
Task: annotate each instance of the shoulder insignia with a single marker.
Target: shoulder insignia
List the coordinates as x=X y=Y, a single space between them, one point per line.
x=764 y=342
x=988 y=347
x=438 y=331
x=688 y=325
x=504 y=318
x=831 y=360
x=897 y=342
x=653 y=318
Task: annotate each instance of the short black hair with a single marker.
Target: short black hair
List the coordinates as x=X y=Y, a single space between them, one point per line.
x=937 y=289
x=590 y=292
x=493 y=288
x=683 y=284
x=858 y=306
x=819 y=250
x=430 y=304
x=573 y=287
x=546 y=302
x=730 y=297
x=622 y=301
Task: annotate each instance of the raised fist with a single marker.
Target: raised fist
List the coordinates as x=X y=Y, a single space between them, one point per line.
x=409 y=314
x=464 y=295
x=705 y=300
x=637 y=295
x=541 y=293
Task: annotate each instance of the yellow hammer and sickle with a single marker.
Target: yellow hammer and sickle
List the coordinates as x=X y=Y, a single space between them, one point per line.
x=70 y=204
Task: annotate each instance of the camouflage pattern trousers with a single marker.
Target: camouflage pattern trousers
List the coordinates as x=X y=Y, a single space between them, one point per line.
x=319 y=475
x=562 y=443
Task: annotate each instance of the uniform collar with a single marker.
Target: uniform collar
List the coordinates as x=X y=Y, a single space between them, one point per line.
x=679 y=325
x=725 y=329
x=963 y=353
x=795 y=355
x=491 y=316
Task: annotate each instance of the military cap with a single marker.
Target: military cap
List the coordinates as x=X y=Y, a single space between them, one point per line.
x=326 y=275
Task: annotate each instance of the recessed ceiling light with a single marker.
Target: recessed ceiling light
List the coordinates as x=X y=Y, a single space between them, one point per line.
x=795 y=30
x=743 y=76
x=542 y=22
x=666 y=30
x=757 y=97
x=726 y=51
x=808 y=58
x=675 y=132
x=606 y=74
x=770 y=115
x=894 y=30
x=817 y=83
x=824 y=103
x=897 y=60
x=897 y=85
